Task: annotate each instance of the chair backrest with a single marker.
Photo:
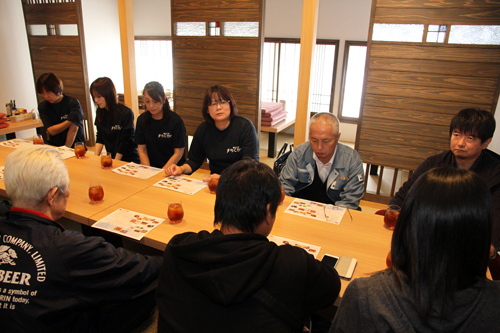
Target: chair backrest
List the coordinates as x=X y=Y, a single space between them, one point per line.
x=376 y=173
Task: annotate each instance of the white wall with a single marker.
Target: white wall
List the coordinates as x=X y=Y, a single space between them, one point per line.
x=16 y=76
x=102 y=40
x=152 y=18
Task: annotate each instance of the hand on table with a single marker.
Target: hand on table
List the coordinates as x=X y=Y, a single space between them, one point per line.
x=173 y=170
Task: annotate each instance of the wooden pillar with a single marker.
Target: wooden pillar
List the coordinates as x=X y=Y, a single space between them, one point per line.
x=307 y=45
x=126 y=16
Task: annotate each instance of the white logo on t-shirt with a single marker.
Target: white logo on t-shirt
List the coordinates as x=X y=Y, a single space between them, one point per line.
x=165 y=135
x=235 y=149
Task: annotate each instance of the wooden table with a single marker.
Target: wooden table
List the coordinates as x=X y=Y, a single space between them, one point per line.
x=273 y=133
x=116 y=187
x=365 y=238
x=21 y=126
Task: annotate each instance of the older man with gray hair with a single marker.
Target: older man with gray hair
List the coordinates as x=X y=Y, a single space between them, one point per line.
x=59 y=280
x=324 y=170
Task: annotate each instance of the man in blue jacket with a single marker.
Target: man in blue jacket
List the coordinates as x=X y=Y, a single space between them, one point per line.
x=324 y=170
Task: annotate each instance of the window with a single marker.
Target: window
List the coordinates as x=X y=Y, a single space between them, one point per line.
x=398 y=32
x=352 y=80
x=280 y=73
x=475 y=34
x=153 y=58
x=436 y=33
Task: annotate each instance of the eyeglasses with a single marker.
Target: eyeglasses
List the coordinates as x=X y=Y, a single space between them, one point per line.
x=330 y=216
x=222 y=103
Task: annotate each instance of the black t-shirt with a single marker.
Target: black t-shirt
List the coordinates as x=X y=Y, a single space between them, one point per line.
x=55 y=113
x=223 y=148
x=161 y=137
x=119 y=136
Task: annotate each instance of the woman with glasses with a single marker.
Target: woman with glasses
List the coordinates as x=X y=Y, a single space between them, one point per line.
x=440 y=251
x=160 y=134
x=114 y=122
x=223 y=138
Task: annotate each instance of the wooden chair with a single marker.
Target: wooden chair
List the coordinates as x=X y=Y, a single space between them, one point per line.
x=377 y=196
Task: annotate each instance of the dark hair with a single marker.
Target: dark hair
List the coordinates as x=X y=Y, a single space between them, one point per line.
x=442 y=239
x=49 y=82
x=218 y=92
x=156 y=92
x=104 y=87
x=243 y=193
x=475 y=122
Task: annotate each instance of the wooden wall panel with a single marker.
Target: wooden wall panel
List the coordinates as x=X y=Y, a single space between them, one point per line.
x=413 y=90
x=215 y=15
x=406 y=115
x=486 y=16
x=434 y=4
x=50 y=13
x=476 y=69
x=480 y=53
x=432 y=80
x=443 y=94
x=201 y=62
x=427 y=105
x=211 y=11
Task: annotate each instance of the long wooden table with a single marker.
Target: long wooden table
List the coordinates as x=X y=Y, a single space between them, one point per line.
x=81 y=171
x=364 y=238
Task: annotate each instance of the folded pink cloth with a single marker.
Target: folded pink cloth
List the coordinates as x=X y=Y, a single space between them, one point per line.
x=270 y=107
x=273 y=121
x=273 y=115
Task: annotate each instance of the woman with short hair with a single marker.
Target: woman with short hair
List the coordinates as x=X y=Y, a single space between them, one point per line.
x=223 y=138
x=161 y=134
x=62 y=115
x=440 y=251
x=114 y=122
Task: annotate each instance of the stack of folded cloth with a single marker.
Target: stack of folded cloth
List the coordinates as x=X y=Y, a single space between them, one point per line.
x=272 y=113
x=3 y=121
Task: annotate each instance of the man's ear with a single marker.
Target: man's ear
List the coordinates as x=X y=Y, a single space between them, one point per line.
x=51 y=196
x=485 y=144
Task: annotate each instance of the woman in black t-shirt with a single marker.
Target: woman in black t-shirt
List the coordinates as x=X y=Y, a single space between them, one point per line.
x=160 y=134
x=114 y=122
x=223 y=138
x=62 y=115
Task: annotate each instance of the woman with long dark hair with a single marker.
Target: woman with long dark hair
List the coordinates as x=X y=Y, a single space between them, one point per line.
x=223 y=138
x=440 y=251
x=114 y=122
x=161 y=134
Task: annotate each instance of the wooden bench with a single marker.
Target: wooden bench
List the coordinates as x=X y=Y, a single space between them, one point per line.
x=273 y=133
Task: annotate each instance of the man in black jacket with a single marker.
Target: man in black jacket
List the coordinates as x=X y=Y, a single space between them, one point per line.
x=471 y=132
x=234 y=279
x=53 y=280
